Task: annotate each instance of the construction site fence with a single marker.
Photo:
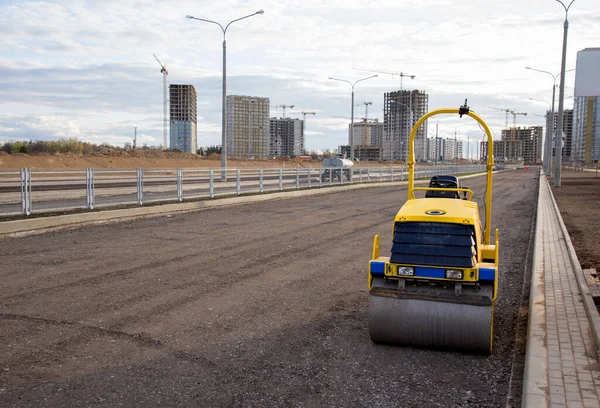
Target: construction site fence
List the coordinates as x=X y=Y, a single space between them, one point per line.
x=29 y=191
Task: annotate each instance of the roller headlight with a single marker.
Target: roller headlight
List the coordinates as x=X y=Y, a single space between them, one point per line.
x=454 y=274
x=406 y=270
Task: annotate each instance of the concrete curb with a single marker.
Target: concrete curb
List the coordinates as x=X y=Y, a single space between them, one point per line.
x=535 y=376
x=46 y=223
x=586 y=296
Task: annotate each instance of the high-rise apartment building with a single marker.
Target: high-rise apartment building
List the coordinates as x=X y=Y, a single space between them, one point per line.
x=248 y=127
x=442 y=150
x=586 y=132
x=586 y=107
x=367 y=133
x=183 y=132
x=286 y=137
x=401 y=110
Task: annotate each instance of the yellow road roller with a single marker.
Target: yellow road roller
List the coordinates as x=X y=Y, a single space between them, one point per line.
x=438 y=286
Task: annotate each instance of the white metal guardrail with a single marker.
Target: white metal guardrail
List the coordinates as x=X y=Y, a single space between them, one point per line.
x=42 y=191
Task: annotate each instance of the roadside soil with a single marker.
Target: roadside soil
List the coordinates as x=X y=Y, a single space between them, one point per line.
x=578 y=199
x=153 y=159
x=258 y=305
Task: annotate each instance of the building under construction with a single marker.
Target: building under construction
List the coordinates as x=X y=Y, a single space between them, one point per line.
x=362 y=152
x=401 y=110
x=567 y=150
x=286 y=137
x=517 y=145
x=183 y=134
x=248 y=127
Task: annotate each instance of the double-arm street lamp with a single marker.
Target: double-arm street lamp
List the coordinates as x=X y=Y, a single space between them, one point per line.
x=352 y=84
x=224 y=102
x=547 y=159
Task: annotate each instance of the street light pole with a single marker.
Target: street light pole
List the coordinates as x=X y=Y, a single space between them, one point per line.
x=352 y=84
x=547 y=160
x=224 y=96
x=561 y=100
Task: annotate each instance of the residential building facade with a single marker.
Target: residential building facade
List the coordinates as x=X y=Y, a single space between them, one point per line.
x=248 y=127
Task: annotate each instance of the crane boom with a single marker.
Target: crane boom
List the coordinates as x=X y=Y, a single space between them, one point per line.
x=164 y=71
x=400 y=74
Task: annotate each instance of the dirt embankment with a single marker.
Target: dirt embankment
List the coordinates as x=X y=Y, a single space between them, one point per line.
x=144 y=158
x=578 y=198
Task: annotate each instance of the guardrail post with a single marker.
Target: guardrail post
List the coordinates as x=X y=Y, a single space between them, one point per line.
x=392 y=173
x=320 y=177
x=140 y=186
x=331 y=176
x=309 y=174
x=89 y=188
x=341 y=176
x=211 y=183
x=237 y=181
x=260 y=182
x=360 y=176
x=280 y=179
x=180 y=184
x=297 y=178
x=380 y=174
x=26 y=191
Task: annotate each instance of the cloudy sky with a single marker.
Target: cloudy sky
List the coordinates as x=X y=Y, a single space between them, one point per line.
x=85 y=69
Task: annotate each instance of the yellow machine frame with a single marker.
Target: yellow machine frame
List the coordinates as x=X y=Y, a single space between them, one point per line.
x=487 y=250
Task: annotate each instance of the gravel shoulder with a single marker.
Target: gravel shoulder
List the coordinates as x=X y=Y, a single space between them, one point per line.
x=258 y=305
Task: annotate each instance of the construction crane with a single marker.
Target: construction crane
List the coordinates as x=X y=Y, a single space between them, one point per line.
x=507 y=111
x=366 y=118
x=164 y=71
x=400 y=74
x=515 y=113
x=283 y=107
x=512 y=112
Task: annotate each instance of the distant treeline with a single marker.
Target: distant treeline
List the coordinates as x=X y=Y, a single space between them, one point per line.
x=70 y=145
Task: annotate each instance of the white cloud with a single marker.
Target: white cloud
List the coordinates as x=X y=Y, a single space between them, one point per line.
x=91 y=65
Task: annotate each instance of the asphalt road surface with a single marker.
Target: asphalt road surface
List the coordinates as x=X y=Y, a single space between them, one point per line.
x=260 y=305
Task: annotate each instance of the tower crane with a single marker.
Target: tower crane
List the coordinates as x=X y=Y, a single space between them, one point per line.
x=366 y=118
x=283 y=107
x=165 y=72
x=507 y=111
x=512 y=112
x=400 y=74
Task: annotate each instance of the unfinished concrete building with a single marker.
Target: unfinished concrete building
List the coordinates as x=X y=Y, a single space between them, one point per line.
x=567 y=150
x=362 y=152
x=286 y=137
x=368 y=135
x=183 y=132
x=401 y=110
x=248 y=127
x=531 y=139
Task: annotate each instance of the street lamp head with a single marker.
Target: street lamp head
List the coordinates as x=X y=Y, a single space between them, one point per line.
x=188 y=16
x=260 y=12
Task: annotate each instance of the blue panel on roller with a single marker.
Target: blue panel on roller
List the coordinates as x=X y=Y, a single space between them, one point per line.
x=487 y=274
x=423 y=272
x=377 y=268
